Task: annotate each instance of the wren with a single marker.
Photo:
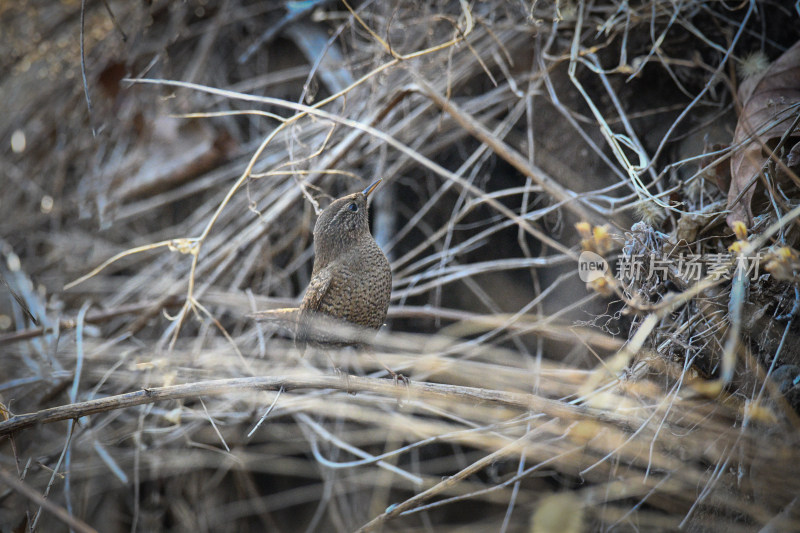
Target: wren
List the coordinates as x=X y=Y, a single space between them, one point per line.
x=351 y=281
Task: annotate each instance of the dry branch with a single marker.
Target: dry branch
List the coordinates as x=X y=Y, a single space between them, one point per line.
x=415 y=391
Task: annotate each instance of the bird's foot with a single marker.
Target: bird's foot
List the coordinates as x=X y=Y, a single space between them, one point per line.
x=398 y=377
x=345 y=377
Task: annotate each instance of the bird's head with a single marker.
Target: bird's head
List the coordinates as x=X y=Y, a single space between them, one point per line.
x=343 y=223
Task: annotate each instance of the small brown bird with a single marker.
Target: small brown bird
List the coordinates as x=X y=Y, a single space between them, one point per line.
x=351 y=280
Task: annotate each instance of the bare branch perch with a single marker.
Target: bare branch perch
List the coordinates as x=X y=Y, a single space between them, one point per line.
x=353 y=384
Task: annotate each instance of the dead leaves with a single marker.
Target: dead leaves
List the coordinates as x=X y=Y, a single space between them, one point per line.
x=770 y=102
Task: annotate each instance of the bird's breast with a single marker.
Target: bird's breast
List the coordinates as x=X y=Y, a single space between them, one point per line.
x=360 y=288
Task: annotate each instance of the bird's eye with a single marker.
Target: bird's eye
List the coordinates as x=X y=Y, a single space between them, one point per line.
x=353 y=207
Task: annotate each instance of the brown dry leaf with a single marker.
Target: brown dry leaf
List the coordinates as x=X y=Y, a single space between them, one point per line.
x=767 y=99
x=167 y=153
x=172 y=152
x=793 y=158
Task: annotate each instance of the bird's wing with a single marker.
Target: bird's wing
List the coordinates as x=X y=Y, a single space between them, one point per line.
x=317 y=288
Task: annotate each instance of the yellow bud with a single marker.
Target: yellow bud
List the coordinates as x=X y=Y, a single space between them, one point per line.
x=602 y=239
x=736 y=247
x=585 y=229
x=601 y=285
x=740 y=230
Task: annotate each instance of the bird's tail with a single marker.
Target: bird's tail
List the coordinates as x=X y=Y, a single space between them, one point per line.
x=284 y=317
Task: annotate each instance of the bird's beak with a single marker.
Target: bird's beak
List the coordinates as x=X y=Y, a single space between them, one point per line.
x=371 y=187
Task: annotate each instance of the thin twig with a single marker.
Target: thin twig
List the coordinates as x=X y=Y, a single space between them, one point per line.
x=34 y=496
